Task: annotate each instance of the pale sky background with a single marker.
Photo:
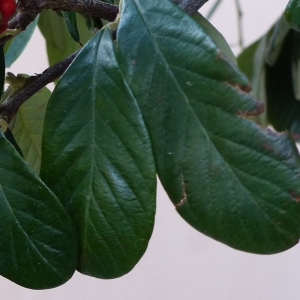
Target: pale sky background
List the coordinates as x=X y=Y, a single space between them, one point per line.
x=181 y=263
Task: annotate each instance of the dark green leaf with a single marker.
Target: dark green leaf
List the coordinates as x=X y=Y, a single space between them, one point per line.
x=292 y=14
x=9 y=136
x=283 y=109
x=71 y=22
x=19 y=43
x=276 y=38
x=227 y=177
x=97 y=159
x=37 y=247
x=27 y=127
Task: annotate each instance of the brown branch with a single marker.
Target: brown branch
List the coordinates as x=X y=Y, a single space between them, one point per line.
x=9 y=108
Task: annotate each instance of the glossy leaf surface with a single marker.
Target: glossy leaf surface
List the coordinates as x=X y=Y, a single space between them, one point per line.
x=38 y=247
x=102 y=166
x=27 y=127
x=227 y=177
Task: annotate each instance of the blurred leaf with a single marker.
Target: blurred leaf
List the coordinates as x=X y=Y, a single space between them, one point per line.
x=71 y=22
x=216 y=36
x=58 y=41
x=283 y=109
x=19 y=43
x=245 y=60
x=227 y=177
x=27 y=127
x=97 y=158
x=276 y=38
x=38 y=244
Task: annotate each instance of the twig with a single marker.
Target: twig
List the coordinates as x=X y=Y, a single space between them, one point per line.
x=9 y=109
x=240 y=23
x=213 y=9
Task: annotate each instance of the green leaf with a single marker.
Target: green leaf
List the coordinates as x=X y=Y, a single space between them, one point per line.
x=245 y=60
x=216 y=36
x=38 y=246
x=59 y=42
x=283 y=109
x=19 y=43
x=227 y=177
x=276 y=37
x=98 y=160
x=27 y=127
x=292 y=14
x=252 y=62
x=71 y=22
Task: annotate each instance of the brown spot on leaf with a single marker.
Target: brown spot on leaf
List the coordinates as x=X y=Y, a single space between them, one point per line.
x=295 y=196
x=183 y=200
x=260 y=107
x=237 y=86
x=267 y=147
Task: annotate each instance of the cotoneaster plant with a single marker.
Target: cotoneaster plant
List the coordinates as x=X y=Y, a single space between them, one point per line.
x=143 y=88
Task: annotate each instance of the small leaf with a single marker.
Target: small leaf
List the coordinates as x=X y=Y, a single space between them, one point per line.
x=38 y=245
x=27 y=127
x=227 y=177
x=292 y=14
x=19 y=43
x=216 y=36
x=71 y=22
x=98 y=160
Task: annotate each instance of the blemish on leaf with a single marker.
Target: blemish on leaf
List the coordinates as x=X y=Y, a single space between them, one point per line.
x=260 y=107
x=267 y=147
x=183 y=200
x=295 y=196
x=237 y=86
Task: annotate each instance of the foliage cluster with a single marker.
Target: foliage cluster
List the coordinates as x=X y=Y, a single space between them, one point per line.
x=143 y=88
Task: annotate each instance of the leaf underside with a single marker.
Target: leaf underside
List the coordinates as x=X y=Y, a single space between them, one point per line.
x=101 y=167
x=38 y=248
x=227 y=177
